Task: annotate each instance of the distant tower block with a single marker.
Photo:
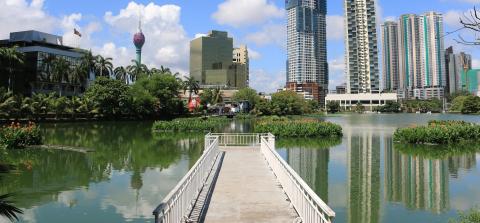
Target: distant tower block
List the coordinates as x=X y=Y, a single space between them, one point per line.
x=139 y=41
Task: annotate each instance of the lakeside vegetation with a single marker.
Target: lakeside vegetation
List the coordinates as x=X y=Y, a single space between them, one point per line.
x=437 y=151
x=17 y=136
x=284 y=127
x=204 y=124
x=439 y=132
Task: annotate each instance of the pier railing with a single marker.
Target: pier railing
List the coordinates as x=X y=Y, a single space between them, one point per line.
x=306 y=202
x=179 y=202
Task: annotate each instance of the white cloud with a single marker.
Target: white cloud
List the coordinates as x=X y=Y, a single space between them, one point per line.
x=268 y=82
x=335 y=24
x=69 y=23
x=253 y=55
x=166 y=41
x=452 y=18
x=20 y=15
x=336 y=69
x=239 y=13
x=121 y=55
x=275 y=34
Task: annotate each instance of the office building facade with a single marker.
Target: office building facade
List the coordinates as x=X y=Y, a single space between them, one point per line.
x=307 y=46
x=212 y=63
x=35 y=76
x=361 y=47
x=456 y=65
x=390 y=56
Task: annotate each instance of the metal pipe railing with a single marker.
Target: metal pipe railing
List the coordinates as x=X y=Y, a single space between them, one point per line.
x=306 y=202
x=179 y=202
x=238 y=139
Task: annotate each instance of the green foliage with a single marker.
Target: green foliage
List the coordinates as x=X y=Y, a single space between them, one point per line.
x=247 y=94
x=390 y=107
x=190 y=125
x=16 y=136
x=285 y=103
x=298 y=128
x=7 y=208
x=457 y=104
x=333 y=107
x=433 y=105
x=439 y=133
x=359 y=108
x=470 y=216
x=471 y=105
x=111 y=97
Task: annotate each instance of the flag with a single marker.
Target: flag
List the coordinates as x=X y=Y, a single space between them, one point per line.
x=76 y=32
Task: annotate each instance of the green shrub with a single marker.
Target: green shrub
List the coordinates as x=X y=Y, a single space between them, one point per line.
x=190 y=125
x=439 y=132
x=470 y=216
x=283 y=127
x=17 y=136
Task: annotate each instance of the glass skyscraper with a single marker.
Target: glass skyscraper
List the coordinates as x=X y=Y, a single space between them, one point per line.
x=307 y=46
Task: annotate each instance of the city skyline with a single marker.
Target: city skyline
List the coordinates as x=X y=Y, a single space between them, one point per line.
x=107 y=29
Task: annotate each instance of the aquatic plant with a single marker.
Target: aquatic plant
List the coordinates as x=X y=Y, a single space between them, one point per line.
x=439 y=132
x=190 y=124
x=298 y=127
x=17 y=136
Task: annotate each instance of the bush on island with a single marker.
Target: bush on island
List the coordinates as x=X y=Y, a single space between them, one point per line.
x=439 y=132
x=284 y=127
x=190 y=124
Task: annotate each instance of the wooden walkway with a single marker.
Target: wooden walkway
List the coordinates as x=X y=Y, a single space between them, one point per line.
x=248 y=191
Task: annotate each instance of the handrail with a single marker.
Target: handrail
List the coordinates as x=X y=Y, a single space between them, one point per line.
x=179 y=202
x=237 y=139
x=306 y=202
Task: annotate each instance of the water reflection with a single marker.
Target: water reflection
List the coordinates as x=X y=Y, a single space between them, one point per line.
x=129 y=165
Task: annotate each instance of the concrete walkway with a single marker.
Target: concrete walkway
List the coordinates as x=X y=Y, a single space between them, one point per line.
x=247 y=191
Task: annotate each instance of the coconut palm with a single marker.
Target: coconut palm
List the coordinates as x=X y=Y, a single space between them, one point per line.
x=137 y=70
x=192 y=86
x=47 y=66
x=121 y=73
x=217 y=96
x=103 y=66
x=7 y=209
x=165 y=70
x=88 y=63
x=11 y=60
x=60 y=71
x=79 y=74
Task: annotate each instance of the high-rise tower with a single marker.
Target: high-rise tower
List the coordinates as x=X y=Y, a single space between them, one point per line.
x=139 y=40
x=390 y=56
x=307 y=67
x=361 y=47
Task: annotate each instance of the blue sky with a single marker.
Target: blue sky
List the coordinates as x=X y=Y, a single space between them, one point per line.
x=169 y=25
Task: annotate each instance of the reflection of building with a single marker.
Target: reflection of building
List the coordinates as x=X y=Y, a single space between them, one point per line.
x=307 y=66
x=214 y=61
x=363 y=177
x=466 y=162
x=36 y=75
x=312 y=166
x=361 y=47
x=418 y=182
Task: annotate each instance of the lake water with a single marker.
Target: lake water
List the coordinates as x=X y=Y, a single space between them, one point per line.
x=364 y=176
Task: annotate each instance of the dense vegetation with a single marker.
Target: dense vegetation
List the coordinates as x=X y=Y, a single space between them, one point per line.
x=432 y=105
x=470 y=216
x=284 y=127
x=285 y=103
x=439 y=132
x=17 y=136
x=466 y=104
x=190 y=125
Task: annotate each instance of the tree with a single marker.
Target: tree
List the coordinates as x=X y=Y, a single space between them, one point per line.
x=192 y=86
x=472 y=23
x=359 y=108
x=390 y=106
x=7 y=208
x=60 y=70
x=457 y=103
x=247 y=94
x=47 y=66
x=333 y=106
x=121 y=73
x=471 y=105
x=137 y=70
x=287 y=103
x=111 y=98
x=103 y=66
x=10 y=62
x=88 y=64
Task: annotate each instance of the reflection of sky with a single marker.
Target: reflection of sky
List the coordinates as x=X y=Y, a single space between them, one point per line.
x=111 y=201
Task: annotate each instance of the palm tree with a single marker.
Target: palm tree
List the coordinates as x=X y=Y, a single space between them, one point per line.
x=192 y=86
x=47 y=65
x=7 y=209
x=165 y=70
x=103 y=65
x=60 y=71
x=79 y=74
x=88 y=63
x=121 y=73
x=11 y=60
x=136 y=70
x=217 y=96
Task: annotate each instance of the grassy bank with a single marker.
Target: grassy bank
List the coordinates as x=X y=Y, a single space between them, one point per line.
x=285 y=127
x=439 y=132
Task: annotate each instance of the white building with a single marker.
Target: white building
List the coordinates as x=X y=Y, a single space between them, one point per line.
x=368 y=100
